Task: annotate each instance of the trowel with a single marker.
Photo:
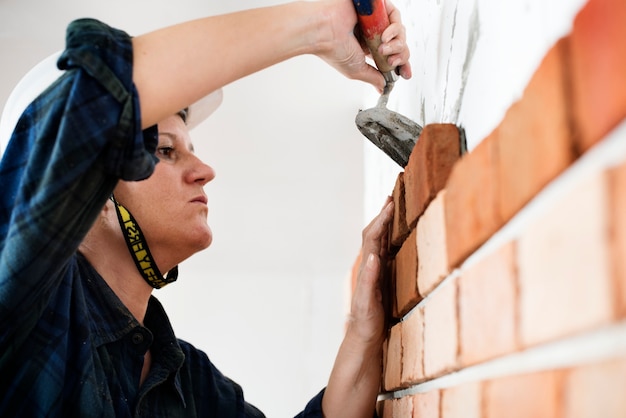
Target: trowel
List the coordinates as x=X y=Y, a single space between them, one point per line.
x=392 y=132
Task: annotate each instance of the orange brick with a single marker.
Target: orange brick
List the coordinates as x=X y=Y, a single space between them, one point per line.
x=488 y=307
x=393 y=365
x=399 y=229
x=431 y=246
x=403 y=407
x=471 y=202
x=596 y=391
x=564 y=277
x=406 y=275
x=426 y=405
x=534 y=139
x=523 y=396
x=413 y=348
x=598 y=65
x=617 y=186
x=462 y=401
x=440 y=331
x=429 y=166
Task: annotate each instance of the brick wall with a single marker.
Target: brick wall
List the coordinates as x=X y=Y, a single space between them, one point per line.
x=508 y=276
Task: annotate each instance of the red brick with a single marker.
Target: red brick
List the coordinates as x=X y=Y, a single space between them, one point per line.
x=534 y=139
x=617 y=186
x=399 y=228
x=488 y=307
x=413 y=348
x=440 y=331
x=564 y=277
x=393 y=365
x=523 y=396
x=429 y=166
x=431 y=246
x=406 y=275
x=471 y=201
x=598 y=65
x=596 y=391
x=462 y=401
x=426 y=405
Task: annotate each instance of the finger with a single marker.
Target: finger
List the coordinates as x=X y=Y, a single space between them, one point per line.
x=372 y=76
x=394 y=14
x=396 y=50
x=374 y=221
x=393 y=31
x=397 y=47
x=398 y=56
x=405 y=71
x=378 y=228
x=370 y=275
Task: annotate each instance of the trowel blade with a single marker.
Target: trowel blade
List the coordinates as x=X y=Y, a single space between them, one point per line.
x=392 y=132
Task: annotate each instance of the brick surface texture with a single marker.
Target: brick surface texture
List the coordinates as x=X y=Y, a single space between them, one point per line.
x=399 y=229
x=522 y=144
x=426 y=405
x=429 y=166
x=413 y=348
x=463 y=401
x=509 y=251
x=431 y=247
x=471 y=210
x=564 y=276
x=487 y=307
x=598 y=65
x=596 y=391
x=523 y=396
x=406 y=274
x=440 y=332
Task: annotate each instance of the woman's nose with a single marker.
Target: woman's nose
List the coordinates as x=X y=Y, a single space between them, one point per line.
x=201 y=173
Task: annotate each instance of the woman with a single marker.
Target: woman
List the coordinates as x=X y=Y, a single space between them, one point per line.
x=84 y=242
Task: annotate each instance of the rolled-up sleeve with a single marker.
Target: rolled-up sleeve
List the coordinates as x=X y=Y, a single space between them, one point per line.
x=67 y=152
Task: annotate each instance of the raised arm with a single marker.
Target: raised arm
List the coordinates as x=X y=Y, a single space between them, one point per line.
x=355 y=380
x=178 y=65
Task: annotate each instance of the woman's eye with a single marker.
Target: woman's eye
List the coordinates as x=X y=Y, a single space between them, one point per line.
x=165 y=151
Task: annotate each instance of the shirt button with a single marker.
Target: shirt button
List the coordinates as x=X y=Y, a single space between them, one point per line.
x=137 y=338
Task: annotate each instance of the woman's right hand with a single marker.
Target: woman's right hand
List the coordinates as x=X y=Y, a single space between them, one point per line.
x=339 y=46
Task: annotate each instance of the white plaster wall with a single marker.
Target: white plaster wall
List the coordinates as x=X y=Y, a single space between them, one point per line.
x=471 y=60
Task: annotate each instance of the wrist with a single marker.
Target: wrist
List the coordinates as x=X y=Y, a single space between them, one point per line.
x=362 y=338
x=322 y=36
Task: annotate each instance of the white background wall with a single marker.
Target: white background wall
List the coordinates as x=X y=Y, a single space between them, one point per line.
x=267 y=301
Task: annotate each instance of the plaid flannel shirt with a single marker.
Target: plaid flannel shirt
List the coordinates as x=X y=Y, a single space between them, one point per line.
x=68 y=346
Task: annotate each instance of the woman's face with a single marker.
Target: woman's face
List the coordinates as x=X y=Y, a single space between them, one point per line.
x=171 y=205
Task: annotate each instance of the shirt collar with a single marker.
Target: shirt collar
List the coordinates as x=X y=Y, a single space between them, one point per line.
x=111 y=320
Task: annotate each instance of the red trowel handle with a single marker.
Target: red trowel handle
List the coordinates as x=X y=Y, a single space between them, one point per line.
x=373 y=20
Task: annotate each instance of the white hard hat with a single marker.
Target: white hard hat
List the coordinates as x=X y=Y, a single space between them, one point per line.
x=46 y=72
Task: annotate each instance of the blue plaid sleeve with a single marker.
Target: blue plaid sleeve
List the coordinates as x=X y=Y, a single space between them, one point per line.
x=66 y=154
x=314 y=408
